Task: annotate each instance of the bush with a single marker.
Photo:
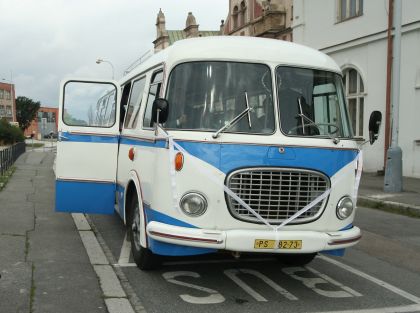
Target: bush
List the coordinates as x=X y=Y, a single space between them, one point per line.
x=10 y=134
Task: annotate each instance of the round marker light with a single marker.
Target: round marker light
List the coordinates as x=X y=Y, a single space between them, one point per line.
x=193 y=204
x=344 y=208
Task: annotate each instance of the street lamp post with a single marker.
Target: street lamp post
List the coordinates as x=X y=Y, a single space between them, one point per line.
x=99 y=61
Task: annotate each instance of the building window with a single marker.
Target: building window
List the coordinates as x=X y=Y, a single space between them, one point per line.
x=242 y=16
x=7 y=95
x=348 y=9
x=355 y=92
x=9 y=111
x=1 y=93
x=2 y=112
x=235 y=17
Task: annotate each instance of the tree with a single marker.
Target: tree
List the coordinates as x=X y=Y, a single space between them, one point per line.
x=26 y=110
x=9 y=134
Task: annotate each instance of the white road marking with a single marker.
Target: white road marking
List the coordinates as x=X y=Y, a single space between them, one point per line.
x=212 y=298
x=396 y=309
x=124 y=265
x=233 y=274
x=313 y=282
x=377 y=281
x=334 y=282
x=125 y=251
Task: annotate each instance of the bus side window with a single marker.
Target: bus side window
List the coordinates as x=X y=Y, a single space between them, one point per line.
x=134 y=103
x=154 y=90
x=124 y=102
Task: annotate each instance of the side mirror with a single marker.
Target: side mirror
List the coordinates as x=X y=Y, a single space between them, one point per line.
x=374 y=125
x=160 y=110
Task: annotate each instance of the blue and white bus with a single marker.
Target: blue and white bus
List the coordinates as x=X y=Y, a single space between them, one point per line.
x=224 y=143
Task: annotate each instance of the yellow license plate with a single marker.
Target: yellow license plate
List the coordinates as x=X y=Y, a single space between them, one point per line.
x=283 y=244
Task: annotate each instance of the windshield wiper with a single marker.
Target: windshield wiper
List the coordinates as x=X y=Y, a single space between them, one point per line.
x=236 y=119
x=249 y=113
x=312 y=123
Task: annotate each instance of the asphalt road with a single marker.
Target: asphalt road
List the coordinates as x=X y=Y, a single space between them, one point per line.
x=381 y=274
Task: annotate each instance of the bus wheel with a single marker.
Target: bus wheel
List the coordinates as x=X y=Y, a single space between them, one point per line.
x=143 y=257
x=296 y=259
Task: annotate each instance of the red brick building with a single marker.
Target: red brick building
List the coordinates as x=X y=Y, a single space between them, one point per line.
x=259 y=18
x=7 y=102
x=44 y=123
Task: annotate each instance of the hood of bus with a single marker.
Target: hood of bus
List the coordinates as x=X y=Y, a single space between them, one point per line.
x=233 y=151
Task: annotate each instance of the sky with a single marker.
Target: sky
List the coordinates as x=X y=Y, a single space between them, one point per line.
x=45 y=41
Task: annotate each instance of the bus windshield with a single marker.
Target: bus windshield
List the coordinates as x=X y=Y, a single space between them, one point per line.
x=206 y=96
x=311 y=103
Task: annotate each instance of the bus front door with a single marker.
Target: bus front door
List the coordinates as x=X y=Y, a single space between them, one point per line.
x=87 y=147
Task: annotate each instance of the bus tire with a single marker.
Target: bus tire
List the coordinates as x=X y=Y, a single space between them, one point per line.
x=296 y=259
x=144 y=258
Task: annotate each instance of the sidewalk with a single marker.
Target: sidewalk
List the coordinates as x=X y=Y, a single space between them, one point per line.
x=43 y=263
x=371 y=194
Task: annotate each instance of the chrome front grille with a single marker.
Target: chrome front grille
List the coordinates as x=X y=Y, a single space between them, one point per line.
x=276 y=193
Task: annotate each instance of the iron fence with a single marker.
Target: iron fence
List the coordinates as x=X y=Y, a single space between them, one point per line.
x=9 y=155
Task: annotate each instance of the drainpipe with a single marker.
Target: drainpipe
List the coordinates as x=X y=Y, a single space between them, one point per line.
x=393 y=169
x=388 y=81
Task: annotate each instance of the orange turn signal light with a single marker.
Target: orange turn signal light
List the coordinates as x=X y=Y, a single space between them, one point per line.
x=179 y=161
x=131 y=154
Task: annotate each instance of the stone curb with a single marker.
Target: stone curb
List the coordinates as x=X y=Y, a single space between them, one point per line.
x=389 y=206
x=115 y=297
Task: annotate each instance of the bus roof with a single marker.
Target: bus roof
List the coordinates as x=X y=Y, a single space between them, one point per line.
x=239 y=49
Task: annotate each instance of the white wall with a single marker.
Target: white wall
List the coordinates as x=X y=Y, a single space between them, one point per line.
x=409 y=126
x=321 y=30
x=361 y=43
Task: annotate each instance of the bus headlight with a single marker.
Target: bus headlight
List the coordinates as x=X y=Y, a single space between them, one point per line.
x=193 y=204
x=344 y=208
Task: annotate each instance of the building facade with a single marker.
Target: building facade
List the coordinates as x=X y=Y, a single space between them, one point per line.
x=7 y=102
x=45 y=122
x=270 y=19
x=354 y=34
x=165 y=38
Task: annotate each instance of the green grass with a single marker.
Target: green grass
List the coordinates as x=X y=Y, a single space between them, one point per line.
x=5 y=178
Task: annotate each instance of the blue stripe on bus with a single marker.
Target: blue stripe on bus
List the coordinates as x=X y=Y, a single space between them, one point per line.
x=163 y=248
x=228 y=157
x=153 y=215
x=349 y=226
x=142 y=142
x=336 y=252
x=120 y=195
x=84 y=197
x=89 y=138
